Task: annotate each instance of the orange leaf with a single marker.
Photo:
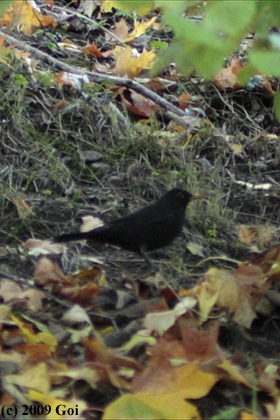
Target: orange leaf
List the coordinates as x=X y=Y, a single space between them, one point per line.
x=183 y=100
x=227 y=77
x=92 y=50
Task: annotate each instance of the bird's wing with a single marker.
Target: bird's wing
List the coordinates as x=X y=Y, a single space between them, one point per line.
x=151 y=213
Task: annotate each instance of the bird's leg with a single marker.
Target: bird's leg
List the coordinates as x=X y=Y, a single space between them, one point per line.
x=147 y=258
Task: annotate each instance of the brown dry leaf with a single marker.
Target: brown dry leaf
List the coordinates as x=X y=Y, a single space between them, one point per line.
x=48 y=273
x=2 y=40
x=91 y=50
x=131 y=66
x=140 y=28
x=61 y=105
x=139 y=105
x=80 y=294
x=121 y=31
x=259 y=236
x=22 y=15
x=108 y=359
x=39 y=247
x=161 y=376
x=50 y=4
x=200 y=345
x=227 y=77
x=268 y=87
x=252 y=281
x=184 y=100
x=12 y=292
x=252 y=285
x=23 y=208
x=268 y=259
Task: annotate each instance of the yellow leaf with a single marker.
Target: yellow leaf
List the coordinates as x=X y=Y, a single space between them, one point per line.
x=30 y=338
x=141 y=7
x=131 y=66
x=219 y=287
x=143 y=406
x=107 y=6
x=21 y=14
x=56 y=408
x=139 y=29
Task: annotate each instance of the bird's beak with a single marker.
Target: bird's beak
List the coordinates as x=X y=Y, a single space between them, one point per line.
x=197 y=196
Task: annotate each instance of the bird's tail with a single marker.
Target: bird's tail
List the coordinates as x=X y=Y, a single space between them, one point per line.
x=71 y=237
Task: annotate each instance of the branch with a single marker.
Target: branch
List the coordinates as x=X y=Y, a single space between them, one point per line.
x=172 y=110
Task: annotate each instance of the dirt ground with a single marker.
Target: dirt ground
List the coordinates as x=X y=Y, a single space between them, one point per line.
x=41 y=161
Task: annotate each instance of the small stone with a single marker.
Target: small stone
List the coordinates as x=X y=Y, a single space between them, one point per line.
x=100 y=166
x=116 y=180
x=90 y=156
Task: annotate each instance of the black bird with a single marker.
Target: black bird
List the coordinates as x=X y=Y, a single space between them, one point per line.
x=147 y=229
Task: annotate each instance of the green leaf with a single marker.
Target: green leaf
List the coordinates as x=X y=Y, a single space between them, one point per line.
x=277 y=106
x=246 y=73
x=266 y=61
x=141 y=7
x=20 y=80
x=159 y=44
x=229 y=18
x=3 y=6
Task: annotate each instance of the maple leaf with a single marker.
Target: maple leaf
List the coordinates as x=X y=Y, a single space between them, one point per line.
x=140 y=28
x=26 y=18
x=131 y=66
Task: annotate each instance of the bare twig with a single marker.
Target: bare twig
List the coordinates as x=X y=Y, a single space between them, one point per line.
x=173 y=111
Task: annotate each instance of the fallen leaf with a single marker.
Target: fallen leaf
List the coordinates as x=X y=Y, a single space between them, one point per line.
x=12 y=292
x=23 y=208
x=24 y=16
x=91 y=50
x=227 y=77
x=48 y=273
x=258 y=236
x=121 y=31
x=139 y=105
x=131 y=66
x=140 y=28
x=39 y=247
